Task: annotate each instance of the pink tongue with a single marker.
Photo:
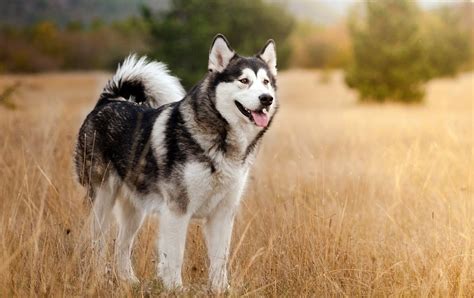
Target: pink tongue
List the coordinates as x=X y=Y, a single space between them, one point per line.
x=260 y=119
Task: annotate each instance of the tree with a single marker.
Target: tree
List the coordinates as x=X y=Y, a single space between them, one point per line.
x=316 y=46
x=388 y=58
x=181 y=36
x=447 y=40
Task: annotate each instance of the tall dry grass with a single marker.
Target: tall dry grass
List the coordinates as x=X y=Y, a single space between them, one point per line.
x=345 y=199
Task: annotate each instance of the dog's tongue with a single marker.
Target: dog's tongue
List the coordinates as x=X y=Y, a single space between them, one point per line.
x=261 y=119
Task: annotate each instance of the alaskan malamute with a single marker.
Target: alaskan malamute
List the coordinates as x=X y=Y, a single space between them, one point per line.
x=147 y=147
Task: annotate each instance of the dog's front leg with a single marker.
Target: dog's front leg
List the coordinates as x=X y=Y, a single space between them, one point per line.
x=171 y=244
x=218 y=233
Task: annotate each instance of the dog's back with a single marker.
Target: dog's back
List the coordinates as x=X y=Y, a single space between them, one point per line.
x=115 y=136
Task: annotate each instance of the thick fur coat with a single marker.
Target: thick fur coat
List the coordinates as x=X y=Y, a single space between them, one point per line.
x=147 y=147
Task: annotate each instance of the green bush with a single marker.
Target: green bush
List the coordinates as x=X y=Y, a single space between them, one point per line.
x=447 y=41
x=182 y=35
x=388 y=58
x=396 y=49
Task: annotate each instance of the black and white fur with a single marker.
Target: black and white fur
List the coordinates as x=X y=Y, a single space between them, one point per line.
x=147 y=147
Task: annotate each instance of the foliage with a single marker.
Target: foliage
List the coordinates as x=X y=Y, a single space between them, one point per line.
x=448 y=45
x=181 y=36
x=7 y=94
x=388 y=57
x=396 y=48
x=319 y=47
x=48 y=47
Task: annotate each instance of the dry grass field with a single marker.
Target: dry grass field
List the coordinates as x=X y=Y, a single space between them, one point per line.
x=345 y=199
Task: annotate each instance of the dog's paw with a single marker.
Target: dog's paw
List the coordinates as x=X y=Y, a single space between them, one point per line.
x=133 y=280
x=129 y=277
x=220 y=287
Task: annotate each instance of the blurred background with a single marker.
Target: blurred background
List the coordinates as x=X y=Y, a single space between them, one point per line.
x=363 y=186
x=388 y=48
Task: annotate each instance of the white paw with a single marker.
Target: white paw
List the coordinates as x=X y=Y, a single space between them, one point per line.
x=220 y=286
x=173 y=284
x=171 y=277
x=129 y=277
x=133 y=280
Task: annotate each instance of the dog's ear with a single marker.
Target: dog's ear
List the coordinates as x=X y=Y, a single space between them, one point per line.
x=220 y=54
x=268 y=54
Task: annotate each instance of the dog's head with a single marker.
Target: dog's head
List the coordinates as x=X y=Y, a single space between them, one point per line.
x=245 y=87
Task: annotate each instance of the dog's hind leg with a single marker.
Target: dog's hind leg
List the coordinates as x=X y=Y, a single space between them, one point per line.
x=100 y=218
x=171 y=244
x=129 y=218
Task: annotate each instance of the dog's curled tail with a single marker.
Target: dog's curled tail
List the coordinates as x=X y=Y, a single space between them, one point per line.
x=142 y=81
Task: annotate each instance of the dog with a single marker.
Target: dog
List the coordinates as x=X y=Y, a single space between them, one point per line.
x=148 y=147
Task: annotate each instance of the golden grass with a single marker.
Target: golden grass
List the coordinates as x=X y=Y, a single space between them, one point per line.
x=345 y=199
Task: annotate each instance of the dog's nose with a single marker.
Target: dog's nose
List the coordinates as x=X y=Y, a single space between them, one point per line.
x=266 y=99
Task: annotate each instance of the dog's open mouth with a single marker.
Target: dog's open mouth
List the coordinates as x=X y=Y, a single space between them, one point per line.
x=259 y=117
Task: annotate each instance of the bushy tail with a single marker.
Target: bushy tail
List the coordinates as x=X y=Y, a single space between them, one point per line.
x=142 y=81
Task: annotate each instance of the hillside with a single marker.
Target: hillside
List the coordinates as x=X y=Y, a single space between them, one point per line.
x=27 y=12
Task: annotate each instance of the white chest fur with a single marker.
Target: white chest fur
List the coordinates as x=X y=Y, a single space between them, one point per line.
x=208 y=189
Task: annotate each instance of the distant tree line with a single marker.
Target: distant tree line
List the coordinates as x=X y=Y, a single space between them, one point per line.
x=46 y=46
x=389 y=48
x=179 y=36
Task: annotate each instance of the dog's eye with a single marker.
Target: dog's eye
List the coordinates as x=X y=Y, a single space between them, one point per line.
x=244 y=81
x=265 y=82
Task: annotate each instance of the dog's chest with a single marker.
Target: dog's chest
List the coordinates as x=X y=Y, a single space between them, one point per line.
x=207 y=188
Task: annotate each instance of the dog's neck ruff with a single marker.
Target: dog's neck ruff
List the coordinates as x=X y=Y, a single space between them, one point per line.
x=213 y=132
